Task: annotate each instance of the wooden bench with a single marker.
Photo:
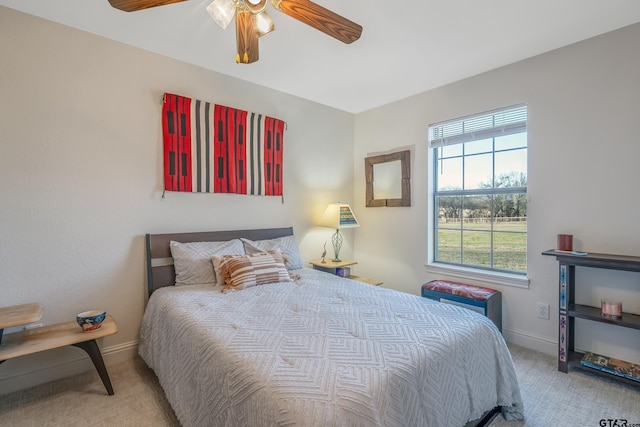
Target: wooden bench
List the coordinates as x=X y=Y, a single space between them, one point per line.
x=489 y=300
x=35 y=340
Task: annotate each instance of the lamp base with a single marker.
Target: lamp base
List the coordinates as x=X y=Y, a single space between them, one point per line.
x=336 y=240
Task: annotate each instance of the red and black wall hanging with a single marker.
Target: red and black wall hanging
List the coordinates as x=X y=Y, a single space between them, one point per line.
x=211 y=148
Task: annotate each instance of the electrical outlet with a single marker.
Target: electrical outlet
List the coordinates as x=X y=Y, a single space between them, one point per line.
x=543 y=310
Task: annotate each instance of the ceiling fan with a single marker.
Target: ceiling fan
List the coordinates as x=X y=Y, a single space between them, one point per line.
x=253 y=21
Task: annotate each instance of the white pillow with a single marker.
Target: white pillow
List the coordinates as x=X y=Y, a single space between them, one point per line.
x=288 y=245
x=192 y=261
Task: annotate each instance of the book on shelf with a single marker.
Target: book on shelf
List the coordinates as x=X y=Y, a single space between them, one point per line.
x=611 y=366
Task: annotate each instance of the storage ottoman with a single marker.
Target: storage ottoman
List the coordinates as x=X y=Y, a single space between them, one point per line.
x=489 y=300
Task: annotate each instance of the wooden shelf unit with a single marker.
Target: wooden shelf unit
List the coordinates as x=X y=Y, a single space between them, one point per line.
x=44 y=338
x=18 y=315
x=627 y=320
x=568 y=357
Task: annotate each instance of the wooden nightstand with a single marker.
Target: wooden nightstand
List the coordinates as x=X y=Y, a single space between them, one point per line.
x=333 y=267
x=366 y=280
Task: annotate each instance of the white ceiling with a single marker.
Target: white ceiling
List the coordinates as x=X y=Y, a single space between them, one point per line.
x=407 y=47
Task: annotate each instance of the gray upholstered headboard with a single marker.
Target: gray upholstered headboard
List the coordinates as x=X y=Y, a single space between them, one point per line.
x=160 y=271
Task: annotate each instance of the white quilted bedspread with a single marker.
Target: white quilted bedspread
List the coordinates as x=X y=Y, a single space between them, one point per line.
x=322 y=351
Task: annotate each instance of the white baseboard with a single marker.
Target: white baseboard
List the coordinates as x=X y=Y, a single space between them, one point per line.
x=531 y=341
x=40 y=368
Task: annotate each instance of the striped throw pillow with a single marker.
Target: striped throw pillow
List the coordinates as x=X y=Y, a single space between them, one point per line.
x=245 y=271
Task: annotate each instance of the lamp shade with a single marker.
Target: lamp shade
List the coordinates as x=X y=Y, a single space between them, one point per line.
x=339 y=215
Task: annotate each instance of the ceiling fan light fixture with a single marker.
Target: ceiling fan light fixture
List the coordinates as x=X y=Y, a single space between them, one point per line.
x=222 y=11
x=253 y=21
x=264 y=23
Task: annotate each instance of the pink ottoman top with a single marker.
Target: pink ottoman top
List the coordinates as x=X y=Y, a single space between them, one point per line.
x=461 y=289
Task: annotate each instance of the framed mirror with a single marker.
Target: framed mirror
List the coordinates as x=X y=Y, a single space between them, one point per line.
x=388 y=179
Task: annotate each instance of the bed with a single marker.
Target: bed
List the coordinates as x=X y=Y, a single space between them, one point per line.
x=314 y=349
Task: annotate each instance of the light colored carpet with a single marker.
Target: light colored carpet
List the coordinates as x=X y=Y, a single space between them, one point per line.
x=551 y=398
x=82 y=400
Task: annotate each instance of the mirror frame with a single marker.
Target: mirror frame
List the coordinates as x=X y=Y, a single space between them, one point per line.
x=405 y=171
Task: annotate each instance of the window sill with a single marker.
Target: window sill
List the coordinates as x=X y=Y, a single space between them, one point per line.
x=488 y=277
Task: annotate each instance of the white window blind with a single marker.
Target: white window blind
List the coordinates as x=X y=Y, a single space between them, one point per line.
x=491 y=124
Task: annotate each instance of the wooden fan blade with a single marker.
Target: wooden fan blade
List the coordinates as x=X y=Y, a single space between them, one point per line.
x=246 y=37
x=133 y=5
x=321 y=19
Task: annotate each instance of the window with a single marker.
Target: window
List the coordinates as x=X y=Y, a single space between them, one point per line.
x=480 y=191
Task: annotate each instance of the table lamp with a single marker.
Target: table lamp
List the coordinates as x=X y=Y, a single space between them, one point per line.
x=337 y=216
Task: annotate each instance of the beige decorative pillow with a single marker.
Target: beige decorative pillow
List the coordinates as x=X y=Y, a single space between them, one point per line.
x=245 y=271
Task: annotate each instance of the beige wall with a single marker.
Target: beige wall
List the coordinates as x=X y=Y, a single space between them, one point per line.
x=584 y=106
x=81 y=169
x=81 y=174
